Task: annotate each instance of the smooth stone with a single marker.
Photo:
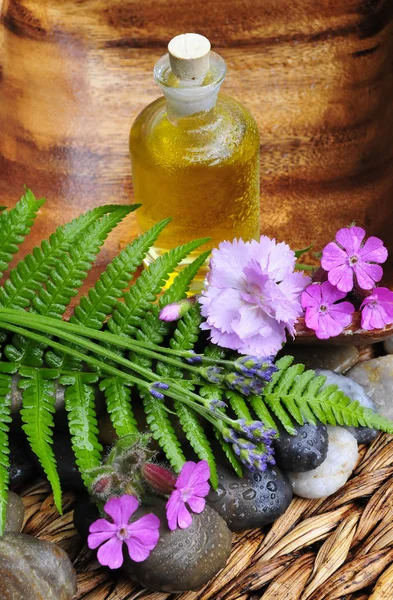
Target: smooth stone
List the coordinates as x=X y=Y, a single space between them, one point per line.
x=252 y=501
x=31 y=569
x=184 y=559
x=335 y=470
x=15 y=514
x=304 y=451
x=22 y=466
x=335 y=358
x=85 y=513
x=388 y=345
x=376 y=377
x=353 y=390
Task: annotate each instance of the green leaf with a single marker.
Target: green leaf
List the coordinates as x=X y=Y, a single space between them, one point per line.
x=38 y=407
x=5 y=420
x=299 y=253
x=82 y=421
x=64 y=283
x=15 y=224
x=118 y=404
x=32 y=272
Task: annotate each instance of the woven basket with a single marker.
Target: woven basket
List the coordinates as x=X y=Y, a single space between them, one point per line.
x=338 y=547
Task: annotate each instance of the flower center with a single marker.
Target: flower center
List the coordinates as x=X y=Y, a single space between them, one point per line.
x=185 y=494
x=353 y=260
x=323 y=308
x=122 y=534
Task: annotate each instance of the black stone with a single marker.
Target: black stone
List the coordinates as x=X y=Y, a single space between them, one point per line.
x=252 y=501
x=363 y=435
x=85 y=513
x=304 y=451
x=22 y=466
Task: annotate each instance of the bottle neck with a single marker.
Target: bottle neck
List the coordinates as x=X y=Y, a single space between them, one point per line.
x=189 y=97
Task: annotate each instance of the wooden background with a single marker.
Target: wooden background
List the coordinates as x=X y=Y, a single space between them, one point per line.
x=317 y=74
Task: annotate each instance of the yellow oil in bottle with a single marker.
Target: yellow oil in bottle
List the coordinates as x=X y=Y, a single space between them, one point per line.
x=199 y=168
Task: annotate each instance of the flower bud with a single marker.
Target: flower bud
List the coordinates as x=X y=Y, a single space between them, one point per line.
x=176 y=310
x=159 y=478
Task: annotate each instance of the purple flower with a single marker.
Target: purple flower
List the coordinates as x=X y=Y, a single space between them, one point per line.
x=323 y=314
x=253 y=296
x=176 y=310
x=377 y=309
x=191 y=488
x=141 y=536
x=348 y=258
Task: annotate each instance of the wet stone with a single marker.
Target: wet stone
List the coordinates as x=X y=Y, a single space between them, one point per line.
x=253 y=501
x=376 y=378
x=15 y=514
x=184 y=559
x=338 y=359
x=304 y=451
x=388 y=345
x=335 y=470
x=31 y=569
x=353 y=390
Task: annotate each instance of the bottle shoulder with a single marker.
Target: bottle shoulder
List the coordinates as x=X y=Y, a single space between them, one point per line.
x=219 y=134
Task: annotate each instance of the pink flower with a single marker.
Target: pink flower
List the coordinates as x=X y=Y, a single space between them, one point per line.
x=377 y=309
x=348 y=257
x=191 y=488
x=141 y=536
x=253 y=296
x=176 y=310
x=327 y=318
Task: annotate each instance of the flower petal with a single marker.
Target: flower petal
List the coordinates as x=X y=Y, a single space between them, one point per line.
x=250 y=321
x=373 y=317
x=196 y=504
x=96 y=539
x=327 y=327
x=227 y=264
x=367 y=274
x=330 y=294
x=223 y=310
x=102 y=525
x=138 y=551
x=185 y=474
x=146 y=530
x=200 y=475
x=276 y=259
x=333 y=256
x=111 y=553
x=342 y=277
x=121 y=509
x=312 y=296
x=373 y=250
x=184 y=518
x=350 y=238
x=172 y=509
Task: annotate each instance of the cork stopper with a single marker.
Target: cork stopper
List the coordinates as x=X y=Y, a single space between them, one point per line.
x=189 y=56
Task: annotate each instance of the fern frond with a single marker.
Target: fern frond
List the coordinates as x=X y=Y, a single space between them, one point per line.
x=64 y=283
x=38 y=407
x=184 y=338
x=181 y=284
x=238 y=405
x=118 y=404
x=5 y=420
x=126 y=316
x=15 y=224
x=82 y=422
x=32 y=272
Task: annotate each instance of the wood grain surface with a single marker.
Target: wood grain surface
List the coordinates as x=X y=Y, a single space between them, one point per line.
x=317 y=75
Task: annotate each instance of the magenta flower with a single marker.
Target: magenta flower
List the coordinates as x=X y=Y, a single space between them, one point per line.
x=377 y=309
x=253 y=296
x=348 y=258
x=141 y=536
x=191 y=488
x=323 y=314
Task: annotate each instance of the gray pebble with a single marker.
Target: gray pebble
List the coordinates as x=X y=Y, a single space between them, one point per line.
x=15 y=514
x=388 y=345
x=31 y=569
x=376 y=377
x=304 y=451
x=253 y=501
x=335 y=358
x=353 y=390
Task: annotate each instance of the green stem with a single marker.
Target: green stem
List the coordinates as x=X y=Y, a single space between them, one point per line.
x=175 y=391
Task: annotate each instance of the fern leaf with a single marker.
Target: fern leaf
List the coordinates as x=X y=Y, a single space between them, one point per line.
x=183 y=280
x=32 y=272
x=5 y=420
x=264 y=415
x=15 y=224
x=64 y=283
x=238 y=405
x=82 y=421
x=118 y=403
x=126 y=316
x=38 y=407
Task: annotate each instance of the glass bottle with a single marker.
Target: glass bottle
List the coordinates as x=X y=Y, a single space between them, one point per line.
x=195 y=155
